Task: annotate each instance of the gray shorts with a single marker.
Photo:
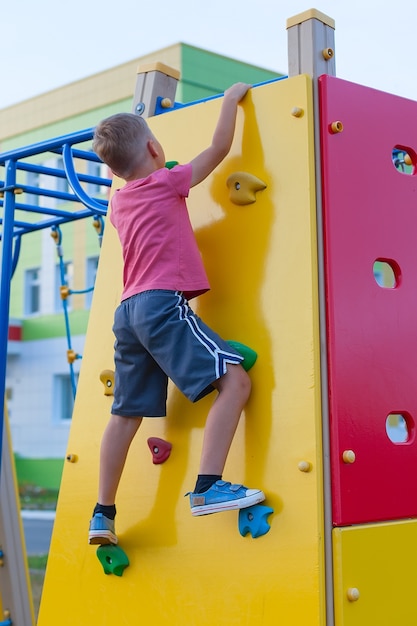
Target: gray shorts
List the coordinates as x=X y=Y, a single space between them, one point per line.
x=158 y=336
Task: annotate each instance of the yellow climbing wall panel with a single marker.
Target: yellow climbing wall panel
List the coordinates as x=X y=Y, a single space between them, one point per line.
x=261 y=261
x=374 y=572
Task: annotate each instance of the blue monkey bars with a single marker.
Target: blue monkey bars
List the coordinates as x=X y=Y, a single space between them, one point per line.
x=20 y=218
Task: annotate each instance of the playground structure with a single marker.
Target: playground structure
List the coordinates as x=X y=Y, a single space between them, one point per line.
x=294 y=273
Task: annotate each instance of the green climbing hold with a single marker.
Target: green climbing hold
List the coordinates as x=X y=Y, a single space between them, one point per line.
x=170 y=164
x=249 y=355
x=113 y=559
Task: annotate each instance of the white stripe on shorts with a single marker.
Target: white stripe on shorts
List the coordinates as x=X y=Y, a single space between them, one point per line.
x=221 y=357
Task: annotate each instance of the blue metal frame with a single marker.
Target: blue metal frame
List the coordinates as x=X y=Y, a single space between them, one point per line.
x=159 y=109
x=13 y=224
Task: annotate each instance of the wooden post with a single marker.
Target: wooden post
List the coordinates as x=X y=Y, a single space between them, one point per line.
x=311 y=44
x=154 y=81
x=311 y=51
x=15 y=595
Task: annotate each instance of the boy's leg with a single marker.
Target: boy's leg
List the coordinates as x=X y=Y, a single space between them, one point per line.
x=233 y=392
x=222 y=420
x=115 y=444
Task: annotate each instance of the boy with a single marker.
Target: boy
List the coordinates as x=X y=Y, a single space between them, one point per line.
x=158 y=336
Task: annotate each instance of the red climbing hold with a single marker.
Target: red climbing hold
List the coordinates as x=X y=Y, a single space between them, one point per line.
x=160 y=449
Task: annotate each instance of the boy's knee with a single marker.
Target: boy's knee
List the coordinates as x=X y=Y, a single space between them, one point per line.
x=241 y=381
x=246 y=382
x=124 y=423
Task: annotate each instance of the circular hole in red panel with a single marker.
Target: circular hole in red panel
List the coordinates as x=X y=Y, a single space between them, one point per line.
x=404 y=160
x=387 y=273
x=399 y=427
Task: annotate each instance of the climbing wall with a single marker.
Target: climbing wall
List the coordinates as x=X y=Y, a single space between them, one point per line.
x=370 y=216
x=261 y=261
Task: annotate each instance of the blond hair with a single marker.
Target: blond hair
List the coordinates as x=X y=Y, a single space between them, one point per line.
x=120 y=142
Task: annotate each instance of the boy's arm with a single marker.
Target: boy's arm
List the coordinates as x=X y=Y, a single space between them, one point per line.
x=206 y=161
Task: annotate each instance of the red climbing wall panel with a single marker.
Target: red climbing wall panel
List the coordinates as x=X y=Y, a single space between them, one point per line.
x=370 y=214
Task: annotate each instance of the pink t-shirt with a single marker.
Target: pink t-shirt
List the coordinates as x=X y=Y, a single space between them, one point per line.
x=159 y=247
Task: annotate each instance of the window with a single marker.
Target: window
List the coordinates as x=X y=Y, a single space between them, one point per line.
x=32 y=294
x=67 y=280
x=32 y=180
x=92 y=263
x=63 y=397
x=96 y=169
x=61 y=184
x=9 y=400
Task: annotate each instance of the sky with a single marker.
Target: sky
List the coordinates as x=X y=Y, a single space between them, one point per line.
x=45 y=45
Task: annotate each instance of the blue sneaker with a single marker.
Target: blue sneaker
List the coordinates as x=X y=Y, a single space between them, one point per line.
x=223 y=496
x=101 y=530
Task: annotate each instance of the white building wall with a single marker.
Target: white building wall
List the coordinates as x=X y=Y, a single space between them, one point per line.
x=36 y=424
x=48 y=263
